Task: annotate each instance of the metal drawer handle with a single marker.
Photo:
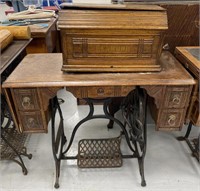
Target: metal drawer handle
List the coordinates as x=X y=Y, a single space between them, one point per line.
x=176 y=99
x=100 y=91
x=31 y=122
x=171 y=120
x=26 y=102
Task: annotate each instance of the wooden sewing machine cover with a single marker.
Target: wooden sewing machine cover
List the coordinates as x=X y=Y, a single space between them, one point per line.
x=111 y=38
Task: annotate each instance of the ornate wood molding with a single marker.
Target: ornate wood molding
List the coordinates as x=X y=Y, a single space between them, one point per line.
x=46 y=94
x=157 y=92
x=100 y=91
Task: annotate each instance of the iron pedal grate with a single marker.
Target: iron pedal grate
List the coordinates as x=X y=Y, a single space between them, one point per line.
x=17 y=140
x=99 y=153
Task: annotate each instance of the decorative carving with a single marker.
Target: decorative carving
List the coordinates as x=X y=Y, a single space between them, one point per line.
x=46 y=94
x=31 y=123
x=112 y=47
x=115 y=91
x=176 y=99
x=26 y=98
x=100 y=91
x=171 y=120
x=157 y=92
x=26 y=102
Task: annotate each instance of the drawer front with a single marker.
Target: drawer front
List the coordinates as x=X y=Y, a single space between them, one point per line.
x=176 y=97
x=32 y=121
x=26 y=99
x=171 y=118
x=100 y=91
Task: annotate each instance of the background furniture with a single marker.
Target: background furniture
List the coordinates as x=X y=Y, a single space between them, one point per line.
x=190 y=58
x=183 y=21
x=45 y=39
x=12 y=142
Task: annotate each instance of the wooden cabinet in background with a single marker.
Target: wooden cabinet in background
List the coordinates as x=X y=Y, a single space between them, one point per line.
x=183 y=21
x=45 y=40
x=190 y=58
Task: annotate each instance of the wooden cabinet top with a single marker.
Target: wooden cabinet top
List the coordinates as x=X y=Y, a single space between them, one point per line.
x=44 y=70
x=113 y=17
x=11 y=52
x=37 y=32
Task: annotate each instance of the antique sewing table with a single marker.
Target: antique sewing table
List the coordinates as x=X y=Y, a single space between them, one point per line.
x=189 y=56
x=11 y=142
x=28 y=96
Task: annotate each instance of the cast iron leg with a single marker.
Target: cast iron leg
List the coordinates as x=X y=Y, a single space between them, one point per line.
x=135 y=119
x=114 y=106
x=58 y=138
x=141 y=168
x=188 y=130
x=182 y=138
x=134 y=113
x=10 y=138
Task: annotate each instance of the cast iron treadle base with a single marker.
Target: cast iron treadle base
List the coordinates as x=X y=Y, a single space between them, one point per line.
x=11 y=142
x=194 y=146
x=103 y=152
x=193 y=143
x=12 y=146
x=99 y=153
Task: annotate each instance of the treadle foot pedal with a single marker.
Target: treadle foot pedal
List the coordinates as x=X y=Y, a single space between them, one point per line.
x=99 y=153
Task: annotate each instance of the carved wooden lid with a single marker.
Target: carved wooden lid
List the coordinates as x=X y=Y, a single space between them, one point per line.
x=93 y=16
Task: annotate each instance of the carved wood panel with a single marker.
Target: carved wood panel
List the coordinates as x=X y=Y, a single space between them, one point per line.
x=157 y=92
x=32 y=121
x=26 y=99
x=135 y=47
x=100 y=91
x=171 y=118
x=177 y=97
x=46 y=94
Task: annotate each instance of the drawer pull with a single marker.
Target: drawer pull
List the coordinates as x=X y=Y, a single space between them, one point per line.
x=100 y=91
x=186 y=65
x=31 y=122
x=26 y=102
x=171 y=120
x=176 y=100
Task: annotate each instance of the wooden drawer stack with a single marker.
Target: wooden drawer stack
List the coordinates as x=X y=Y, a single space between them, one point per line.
x=173 y=112
x=169 y=113
x=31 y=114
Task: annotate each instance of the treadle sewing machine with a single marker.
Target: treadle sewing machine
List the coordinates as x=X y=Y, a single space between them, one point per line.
x=11 y=141
x=33 y=102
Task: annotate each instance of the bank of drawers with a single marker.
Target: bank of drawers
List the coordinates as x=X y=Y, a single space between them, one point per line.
x=30 y=113
x=173 y=108
x=169 y=116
